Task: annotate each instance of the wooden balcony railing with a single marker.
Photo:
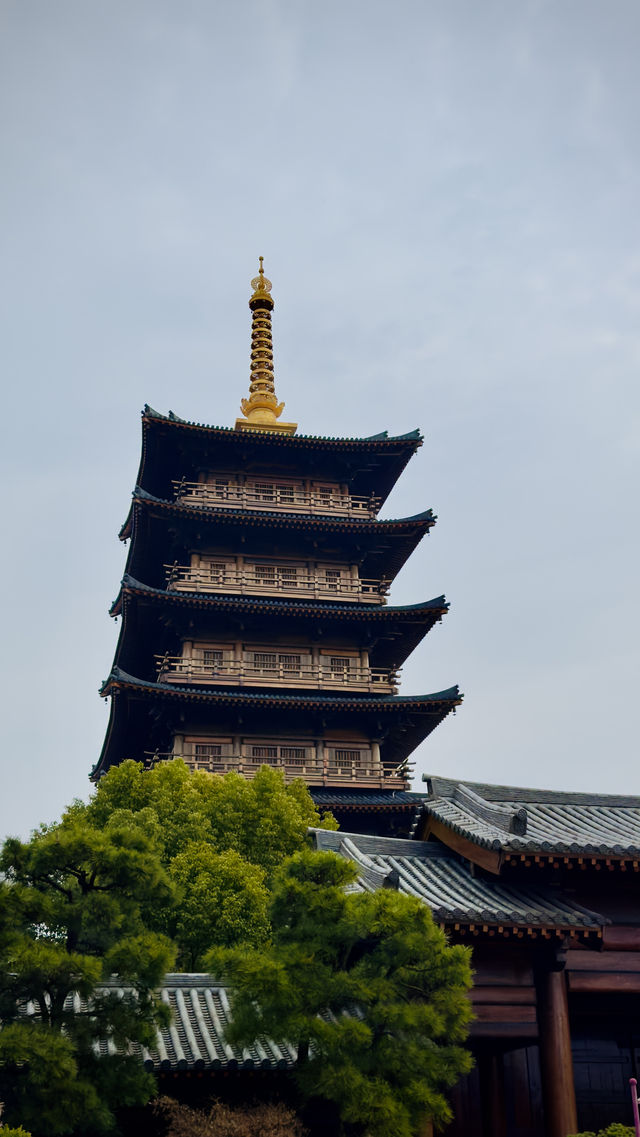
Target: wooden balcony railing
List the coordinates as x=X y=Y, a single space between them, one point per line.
x=281 y=497
x=333 y=769
x=253 y=580
x=246 y=672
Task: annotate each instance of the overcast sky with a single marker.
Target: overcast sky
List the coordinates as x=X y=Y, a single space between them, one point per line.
x=446 y=196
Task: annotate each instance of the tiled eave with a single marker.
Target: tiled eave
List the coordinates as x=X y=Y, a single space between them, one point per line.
x=427 y=612
x=273 y=519
x=379 y=459
x=457 y=898
x=365 y=801
x=195 y=1038
x=438 y=701
x=292 y=441
x=538 y=827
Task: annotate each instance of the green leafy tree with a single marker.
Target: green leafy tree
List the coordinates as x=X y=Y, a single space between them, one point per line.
x=614 y=1130
x=223 y=900
x=78 y=968
x=220 y=838
x=262 y=819
x=369 y=989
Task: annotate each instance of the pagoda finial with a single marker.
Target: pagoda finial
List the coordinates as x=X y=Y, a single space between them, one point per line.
x=262 y=410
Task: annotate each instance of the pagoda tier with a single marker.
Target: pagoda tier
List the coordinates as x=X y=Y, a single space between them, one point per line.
x=164 y=535
x=326 y=739
x=157 y=622
x=173 y=448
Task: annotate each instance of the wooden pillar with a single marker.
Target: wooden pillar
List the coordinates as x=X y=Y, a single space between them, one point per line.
x=561 y=1117
x=491 y=1074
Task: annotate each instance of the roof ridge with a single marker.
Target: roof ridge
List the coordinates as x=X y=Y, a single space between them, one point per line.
x=414 y=435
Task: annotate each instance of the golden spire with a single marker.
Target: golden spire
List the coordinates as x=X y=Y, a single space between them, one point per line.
x=262 y=410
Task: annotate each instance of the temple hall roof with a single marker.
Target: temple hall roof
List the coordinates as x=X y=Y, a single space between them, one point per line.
x=515 y=820
x=446 y=884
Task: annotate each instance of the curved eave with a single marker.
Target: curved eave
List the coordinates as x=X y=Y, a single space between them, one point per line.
x=425 y=611
x=149 y=416
x=390 y=453
x=275 y=519
x=450 y=698
x=512 y=846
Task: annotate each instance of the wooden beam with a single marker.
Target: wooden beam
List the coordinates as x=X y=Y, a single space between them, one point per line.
x=603 y=960
x=611 y=982
x=514 y=995
x=559 y=1093
x=489 y=859
x=498 y=1012
x=622 y=938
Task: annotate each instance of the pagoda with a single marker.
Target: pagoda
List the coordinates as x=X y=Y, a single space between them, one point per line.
x=255 y=627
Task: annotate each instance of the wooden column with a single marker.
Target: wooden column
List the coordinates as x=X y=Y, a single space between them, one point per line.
x=558 y=1088
x=491 y=1074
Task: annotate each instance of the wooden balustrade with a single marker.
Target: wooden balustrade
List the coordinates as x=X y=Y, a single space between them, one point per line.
x=331 y=769
x=246 y=672
x=278 y=581
x=282 y=497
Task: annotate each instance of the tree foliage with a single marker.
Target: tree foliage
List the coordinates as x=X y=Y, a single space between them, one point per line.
x=614 y=1130
x=71 y=926
x=220 y=839
x=262 y=819
x=367 y=986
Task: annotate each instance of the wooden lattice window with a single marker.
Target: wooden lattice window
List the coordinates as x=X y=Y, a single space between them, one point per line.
x=268 y=752
x=348 y=757
x=332 y=579
x=265 y=574
x=289 y=576
x=265 y=661
x=293 y=755
x=340 y=666
x=213 y=658
x=217 y=572
x=208 y=750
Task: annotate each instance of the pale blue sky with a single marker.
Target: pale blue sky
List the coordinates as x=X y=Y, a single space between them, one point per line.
x=446 y=195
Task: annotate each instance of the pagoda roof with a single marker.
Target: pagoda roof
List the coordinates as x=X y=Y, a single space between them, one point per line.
x=517 y=822
x=284 y=605
x=275 y=518
x=380 y=547
x=401 y=722
x=150 y=415
x=371 y=464
x=446 y=883
x=450 y=697
x=393 y=632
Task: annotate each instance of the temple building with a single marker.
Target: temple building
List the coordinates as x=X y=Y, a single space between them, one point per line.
x=255 y=623
x=256 y=629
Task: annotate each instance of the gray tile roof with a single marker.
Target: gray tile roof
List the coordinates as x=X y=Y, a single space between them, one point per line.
x=515 y=820
x=413 y=436
x=389 y=799
x=361 y=702
x=445 y=883
x=220 y=513
x=195 y=1037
